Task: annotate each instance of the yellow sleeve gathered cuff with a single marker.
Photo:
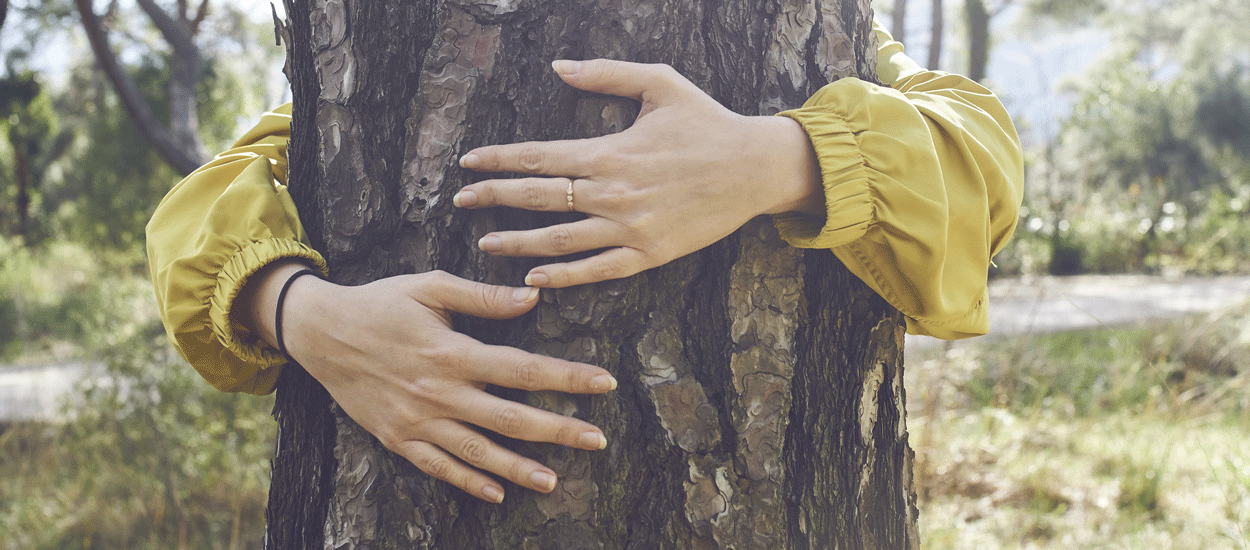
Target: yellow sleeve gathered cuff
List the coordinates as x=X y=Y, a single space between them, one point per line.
x=213 y=230
x=923 y=182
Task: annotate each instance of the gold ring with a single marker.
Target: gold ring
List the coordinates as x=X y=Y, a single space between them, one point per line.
x=569 y=195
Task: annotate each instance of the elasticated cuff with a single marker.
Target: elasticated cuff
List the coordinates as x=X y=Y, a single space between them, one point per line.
x=848 y=199
x=231 y=279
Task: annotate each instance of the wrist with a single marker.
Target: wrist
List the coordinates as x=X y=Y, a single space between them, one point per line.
x=793 y=167
x=257 y=302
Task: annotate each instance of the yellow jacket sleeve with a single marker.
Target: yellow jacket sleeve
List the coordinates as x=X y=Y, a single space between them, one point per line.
x=210 y=233
x=923 y=182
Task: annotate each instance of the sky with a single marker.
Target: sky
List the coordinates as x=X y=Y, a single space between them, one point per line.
x=1023 y=70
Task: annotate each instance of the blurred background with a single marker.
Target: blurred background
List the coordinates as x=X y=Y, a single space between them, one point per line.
x=1109 y=408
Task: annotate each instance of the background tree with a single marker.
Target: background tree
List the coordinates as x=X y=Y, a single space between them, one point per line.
x=178 y=143
x=898 y=24
x=1143 y=152
x=761 y=399
x=937 y=27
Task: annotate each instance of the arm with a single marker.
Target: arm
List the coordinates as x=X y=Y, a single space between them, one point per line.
x=225 y=240
x=923 y=182
x=914 y=188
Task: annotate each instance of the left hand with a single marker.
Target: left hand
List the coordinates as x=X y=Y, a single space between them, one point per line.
x=687 y=173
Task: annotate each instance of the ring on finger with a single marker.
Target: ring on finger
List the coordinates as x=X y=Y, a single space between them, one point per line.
x=569 y=195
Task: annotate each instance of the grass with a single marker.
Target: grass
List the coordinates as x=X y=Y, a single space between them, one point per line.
x=151 y=456
x=1135 y=437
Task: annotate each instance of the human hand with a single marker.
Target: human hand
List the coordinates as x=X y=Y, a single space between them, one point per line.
x=687 y=173
x=387 y=354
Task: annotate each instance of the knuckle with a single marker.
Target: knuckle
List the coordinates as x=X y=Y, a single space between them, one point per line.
x=474 y=450
x=609 y=269
x=528 y=375
x=430 y=390
x=530 y=158
x=508 y=420
x=440 y=467
x=560 y=239
x=532 y=195
x=567 y=434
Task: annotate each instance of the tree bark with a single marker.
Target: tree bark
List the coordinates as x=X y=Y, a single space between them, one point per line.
x=761 y=401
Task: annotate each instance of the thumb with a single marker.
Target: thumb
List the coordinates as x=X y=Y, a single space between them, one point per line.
x=444 y=291
x=642 y=82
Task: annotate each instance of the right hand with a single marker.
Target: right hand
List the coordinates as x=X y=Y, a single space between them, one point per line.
x=388 y=355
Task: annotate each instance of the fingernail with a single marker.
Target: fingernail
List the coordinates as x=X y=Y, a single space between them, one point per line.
x=470 y=161
x=464 y=199
x=566 y=66
x=490 y=243
x=492 y=494
x=537 y=279
x=543 y=480
x=593 y=440
x=524 y=295
x=602 y=383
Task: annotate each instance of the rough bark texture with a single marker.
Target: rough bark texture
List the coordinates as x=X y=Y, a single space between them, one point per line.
x=761 y=400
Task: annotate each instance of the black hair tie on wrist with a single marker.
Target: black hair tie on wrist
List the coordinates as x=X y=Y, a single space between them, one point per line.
x=277 y=316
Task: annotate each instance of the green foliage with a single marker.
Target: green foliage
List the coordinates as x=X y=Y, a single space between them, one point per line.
x=1149 y=170
x=152 y=456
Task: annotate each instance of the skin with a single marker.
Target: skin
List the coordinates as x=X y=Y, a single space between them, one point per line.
x=687 y=173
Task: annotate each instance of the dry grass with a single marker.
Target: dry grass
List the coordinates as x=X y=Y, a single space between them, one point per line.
x=1130 y=438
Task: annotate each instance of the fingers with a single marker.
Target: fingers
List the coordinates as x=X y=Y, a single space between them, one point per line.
x=512 y=368
x=652 y=84
x=555 y=240
x=538 y=194
x=439 y=464
x=519 y=421
x=643 y=82
x=551 y=158
x=443 y=291
x=615 y=263
x=476 y=453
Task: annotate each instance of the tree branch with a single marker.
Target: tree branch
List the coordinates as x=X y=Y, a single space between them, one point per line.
x=185 y=74
x=177 y=34
x=160 y=137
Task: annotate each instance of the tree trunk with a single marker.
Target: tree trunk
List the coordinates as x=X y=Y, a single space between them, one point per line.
x=899 y=26
x=180 y=147
x=978 y=38
x=761 y=400
x=937 y=21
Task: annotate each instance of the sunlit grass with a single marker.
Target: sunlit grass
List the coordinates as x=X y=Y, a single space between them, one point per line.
x=1127 y=438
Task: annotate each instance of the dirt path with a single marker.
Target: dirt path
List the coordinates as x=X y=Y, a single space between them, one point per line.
x=1018 y=306
x=1051 y=304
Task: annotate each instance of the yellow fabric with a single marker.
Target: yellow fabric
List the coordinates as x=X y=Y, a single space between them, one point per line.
x=923 y=182
x=212 y=231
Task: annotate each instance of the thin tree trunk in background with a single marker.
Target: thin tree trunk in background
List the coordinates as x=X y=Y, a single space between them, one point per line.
x=169 y=144
x=898 y=26
x=21 y=172
x=936 y=24
x=761 y=401
x=978 y=38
